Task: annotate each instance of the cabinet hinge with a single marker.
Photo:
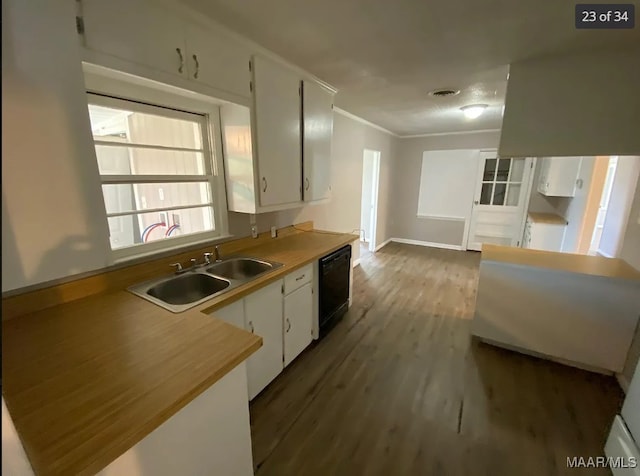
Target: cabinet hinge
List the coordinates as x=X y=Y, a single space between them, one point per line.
x=250 y=86
x=282 y=289
x=80 y=25
x=249 y=65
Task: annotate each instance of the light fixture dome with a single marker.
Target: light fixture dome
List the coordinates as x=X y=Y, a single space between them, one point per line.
x=473 y=111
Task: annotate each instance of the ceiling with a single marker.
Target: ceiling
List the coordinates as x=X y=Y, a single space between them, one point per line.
x=385 y=56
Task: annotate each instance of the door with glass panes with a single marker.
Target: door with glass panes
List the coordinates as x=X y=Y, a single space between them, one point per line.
x=498 y=212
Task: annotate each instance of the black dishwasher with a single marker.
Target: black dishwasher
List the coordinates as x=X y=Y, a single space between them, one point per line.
x=334 y=274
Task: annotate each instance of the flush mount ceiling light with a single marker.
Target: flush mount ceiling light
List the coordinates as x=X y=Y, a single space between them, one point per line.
x=473 y=110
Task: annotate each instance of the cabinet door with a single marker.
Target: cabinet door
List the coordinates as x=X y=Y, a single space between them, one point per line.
x=546 y=237
x=542 y=178
x=561 y=176
x=139 y=31
x=277 y=124
x=318 y=131
x=218 y=61
x=263 y=317
x=298 y=315
x=233 y=314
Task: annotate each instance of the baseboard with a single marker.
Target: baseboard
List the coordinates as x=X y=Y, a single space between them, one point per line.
x=427 y=243
x=623 y=382
x=383 y=244
x=356 y=262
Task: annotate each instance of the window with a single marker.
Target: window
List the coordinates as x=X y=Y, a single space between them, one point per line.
x=158 y=173
x=501 y=182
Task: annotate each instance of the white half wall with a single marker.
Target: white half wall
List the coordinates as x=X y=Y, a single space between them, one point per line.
x=573 y=105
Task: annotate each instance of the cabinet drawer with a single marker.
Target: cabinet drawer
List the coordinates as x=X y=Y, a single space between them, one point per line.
x=298 y=278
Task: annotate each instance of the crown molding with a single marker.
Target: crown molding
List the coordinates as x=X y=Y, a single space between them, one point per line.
x=363 y=121
x=457 y=133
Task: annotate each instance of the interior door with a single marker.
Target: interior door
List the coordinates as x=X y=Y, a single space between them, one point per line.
x=498 y=211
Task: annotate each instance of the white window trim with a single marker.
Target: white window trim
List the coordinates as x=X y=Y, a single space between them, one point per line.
x=118 y=85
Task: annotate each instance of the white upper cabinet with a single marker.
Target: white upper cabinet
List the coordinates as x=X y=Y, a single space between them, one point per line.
x=277 y=126
x=138 y=31
x=317 y=107
x=152 y=35
x=558 y=176
x=215 y=60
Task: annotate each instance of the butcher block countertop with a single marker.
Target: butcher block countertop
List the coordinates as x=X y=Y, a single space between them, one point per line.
x=569 y=262
x=87 y=379
x=547 y=218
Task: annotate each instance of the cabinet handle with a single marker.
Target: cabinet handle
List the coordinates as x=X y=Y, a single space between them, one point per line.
x=306 y=182
x=181 y=68
x=195 y=60
x=264 y=184
x=300 y=277
x=475 y=202
x=288 y=325
x=251 y=326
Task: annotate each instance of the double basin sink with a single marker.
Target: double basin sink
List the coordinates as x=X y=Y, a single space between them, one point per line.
x=183 y=291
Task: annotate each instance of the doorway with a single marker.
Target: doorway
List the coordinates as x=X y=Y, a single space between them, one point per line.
x=498 y=210
x=369 y=203
x=603 y=205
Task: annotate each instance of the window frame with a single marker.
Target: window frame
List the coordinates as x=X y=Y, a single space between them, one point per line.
x=207 y=115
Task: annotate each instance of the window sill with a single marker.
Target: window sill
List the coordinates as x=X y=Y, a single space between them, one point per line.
x=142 y=256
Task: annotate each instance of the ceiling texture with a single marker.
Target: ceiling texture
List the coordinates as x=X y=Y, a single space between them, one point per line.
x=385 y=56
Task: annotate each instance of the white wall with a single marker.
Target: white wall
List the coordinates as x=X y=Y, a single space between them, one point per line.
x=572 y=105
x=618 y=211
x=406 y=186
x=53 y=213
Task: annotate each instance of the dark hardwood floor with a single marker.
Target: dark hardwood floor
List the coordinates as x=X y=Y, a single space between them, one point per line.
x=398 y=387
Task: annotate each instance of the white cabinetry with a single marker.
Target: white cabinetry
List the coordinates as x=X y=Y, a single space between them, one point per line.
x=150 y=34
x=298 y=312
x=263 y=317
x=277 y=93
x=317 y=107
x=543 y=236
x=210 y=435
x=269 y=163
x=558 y=176
x=282 y=313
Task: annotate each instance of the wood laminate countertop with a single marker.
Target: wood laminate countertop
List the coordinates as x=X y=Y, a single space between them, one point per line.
x=87 y=380
x=569 y=262
x=547 y=218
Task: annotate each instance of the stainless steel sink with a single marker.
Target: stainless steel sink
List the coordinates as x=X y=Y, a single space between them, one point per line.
x=240 y=268
x=179 y=292
x=187 y=288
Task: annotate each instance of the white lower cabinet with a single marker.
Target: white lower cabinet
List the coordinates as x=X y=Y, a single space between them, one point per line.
x=282 y=313
x=543 y=236
x=298 y=316
x=210 y=435
x=263 y=317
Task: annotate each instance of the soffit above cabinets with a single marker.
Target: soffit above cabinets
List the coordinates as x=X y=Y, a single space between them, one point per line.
x=384 y=57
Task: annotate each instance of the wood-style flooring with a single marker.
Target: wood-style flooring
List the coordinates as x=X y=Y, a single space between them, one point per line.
x=399 y=387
